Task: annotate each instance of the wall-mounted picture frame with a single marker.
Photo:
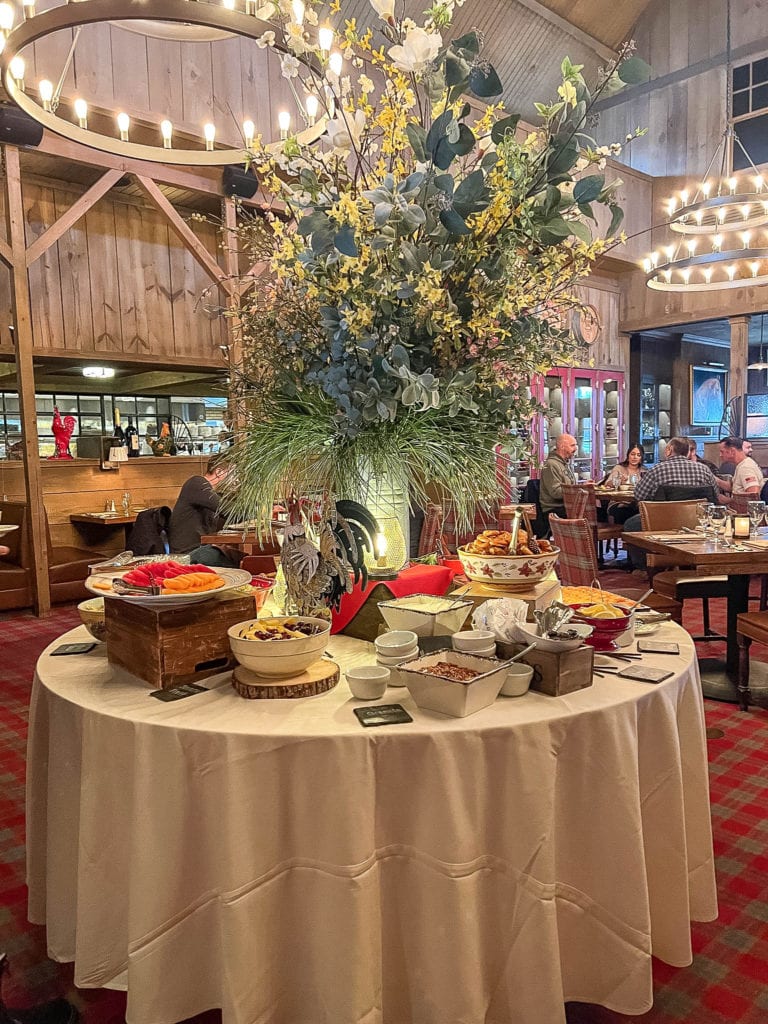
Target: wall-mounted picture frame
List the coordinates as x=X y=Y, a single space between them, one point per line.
x=709 y=395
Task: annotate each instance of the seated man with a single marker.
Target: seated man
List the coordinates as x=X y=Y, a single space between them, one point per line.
x=747 y=476
x=196 y=513
x=555 y=472
x=675 y=470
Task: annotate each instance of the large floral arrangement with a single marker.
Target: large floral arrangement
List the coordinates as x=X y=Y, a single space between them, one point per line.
x=420 y=260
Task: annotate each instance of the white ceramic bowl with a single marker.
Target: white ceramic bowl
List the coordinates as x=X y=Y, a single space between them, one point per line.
x=485 y=652
x=425 y=614
x=457 y=699
x=473 y=640
x=92 y=616
x=517 y=680
x=395 y=676
x=367 y=682
x=514 y=572
x=279 y=658
x=529 y=634
x=389 y=662
x=397 y=642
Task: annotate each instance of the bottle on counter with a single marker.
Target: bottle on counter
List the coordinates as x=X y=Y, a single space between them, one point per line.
x=132 y=440
x=118 y=434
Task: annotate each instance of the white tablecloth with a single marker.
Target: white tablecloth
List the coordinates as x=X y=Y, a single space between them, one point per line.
x=274 y=859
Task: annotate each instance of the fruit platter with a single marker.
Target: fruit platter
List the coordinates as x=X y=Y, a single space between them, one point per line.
x=166 y=583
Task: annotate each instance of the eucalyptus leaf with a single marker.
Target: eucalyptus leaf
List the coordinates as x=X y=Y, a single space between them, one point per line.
x=581 y=231
x=617 y=216
x=634 y=71
x=484 y=82
x=345 y=241
x=506 y=124
x=437 y=131
x=381 y=213
x=456 y=69
x=469 y=42
x=588 y=189
x=418 y=140
x=465 y=141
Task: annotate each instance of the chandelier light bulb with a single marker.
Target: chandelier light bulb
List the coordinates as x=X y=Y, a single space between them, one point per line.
x=721 y=214
x=646 y=266
x=706 y=188
x=684 y=197
x=754 y=267
x=745 y=237
x=228 y=4
x=759 y=183
x=45 y=89
x=669 y=250
x=731 y=272
x=732 y=186
x=284 y=123
x=668 y=275
x=335 y=63
x=671 y=206
x=123 y=124
x=16 y=67
x=691 y=246
x=166 y=130
x=699 y=217
x=251 y=7
x=249 y=129
x=745 y=211
x=81 y=113
x=7 y=17
x=28 y=6
x=708 y=274
x=654 y=260
x=297 y=9
x=717 y=241
x=324 y=37
x=311 y=105
x=209 y=131
x=686 y=275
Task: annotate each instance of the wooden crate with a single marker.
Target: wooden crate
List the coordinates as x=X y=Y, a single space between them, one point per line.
x=555 y=674
x=538 y=595
x=169 y=646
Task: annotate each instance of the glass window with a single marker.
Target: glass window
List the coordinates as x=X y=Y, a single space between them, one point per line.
x=754 y=136
x=741 y=77
x=740 y=103
x=760 y=97
x=760 y=71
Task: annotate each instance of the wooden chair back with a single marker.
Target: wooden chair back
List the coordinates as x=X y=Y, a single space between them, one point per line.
x=577 y=563
x=579 y=501
x=667 y=515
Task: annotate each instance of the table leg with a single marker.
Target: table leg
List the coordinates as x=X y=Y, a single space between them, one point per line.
x=738 y=599
x=719 y=680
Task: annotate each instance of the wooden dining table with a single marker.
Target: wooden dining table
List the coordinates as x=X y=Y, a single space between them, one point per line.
x=248 y=541
x=609 y=494
x=739 y=562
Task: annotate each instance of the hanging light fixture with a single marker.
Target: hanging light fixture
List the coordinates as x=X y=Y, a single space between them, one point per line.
x=761 y=364
x=725 y=208
x=164 y=19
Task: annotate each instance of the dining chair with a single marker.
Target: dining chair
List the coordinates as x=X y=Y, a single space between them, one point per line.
x=577 y=562
x=749 y=626
x=666 y=577
x=580 y=503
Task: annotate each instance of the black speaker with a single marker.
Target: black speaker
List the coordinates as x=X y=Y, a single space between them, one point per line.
x=237 y=182
x=17 y=128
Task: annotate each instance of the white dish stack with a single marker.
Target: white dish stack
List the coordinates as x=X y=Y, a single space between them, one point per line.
x=394 y=649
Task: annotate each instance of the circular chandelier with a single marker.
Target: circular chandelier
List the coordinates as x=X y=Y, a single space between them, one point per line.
x=726 y=209
x=177 y=17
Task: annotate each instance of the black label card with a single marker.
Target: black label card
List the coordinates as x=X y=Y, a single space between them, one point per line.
x=179 y=692
x=382 y=714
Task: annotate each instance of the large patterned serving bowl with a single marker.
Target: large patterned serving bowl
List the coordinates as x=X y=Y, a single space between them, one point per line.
x=513 y=572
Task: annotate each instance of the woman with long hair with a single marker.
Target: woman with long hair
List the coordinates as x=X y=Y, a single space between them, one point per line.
x=625 y=474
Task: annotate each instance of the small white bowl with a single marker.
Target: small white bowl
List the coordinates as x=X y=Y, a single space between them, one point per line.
x=484 y=652
x=473 y=641
x=395 y=676
x=399 y=659
x=396 y=642
x=367 y=682
x=517 y=680
x=529 y=634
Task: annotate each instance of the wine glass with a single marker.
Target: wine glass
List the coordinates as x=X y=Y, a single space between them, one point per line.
x=702 y=516
x=126 y=502
x=717 y=516
x=756 y=510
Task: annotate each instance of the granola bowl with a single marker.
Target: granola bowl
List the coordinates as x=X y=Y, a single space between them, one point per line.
x=513 y=572
x=432 y=691
x=280 y=647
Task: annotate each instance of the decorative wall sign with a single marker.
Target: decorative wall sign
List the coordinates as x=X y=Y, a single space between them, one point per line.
x=586 y=325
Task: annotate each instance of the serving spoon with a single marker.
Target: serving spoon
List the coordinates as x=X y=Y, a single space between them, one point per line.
x=121 y=587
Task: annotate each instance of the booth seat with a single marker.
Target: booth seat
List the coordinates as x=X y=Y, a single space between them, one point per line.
x=67 y=566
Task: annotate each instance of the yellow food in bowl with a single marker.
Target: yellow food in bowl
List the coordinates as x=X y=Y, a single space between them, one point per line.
x=601 y=611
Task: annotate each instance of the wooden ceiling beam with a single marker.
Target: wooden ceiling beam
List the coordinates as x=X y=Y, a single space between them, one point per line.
x=144 y=383
x=52 y=234
x=180 y=228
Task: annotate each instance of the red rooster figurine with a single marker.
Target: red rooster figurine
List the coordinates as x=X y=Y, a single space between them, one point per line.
x=62 y=432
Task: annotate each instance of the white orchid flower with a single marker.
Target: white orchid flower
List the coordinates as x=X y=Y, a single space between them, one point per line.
x=419 y=49
x=290 y=66
x=267 y=39
x=384 y=8
x=346 y=132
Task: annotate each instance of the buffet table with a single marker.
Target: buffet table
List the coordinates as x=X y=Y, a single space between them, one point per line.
x=277 y=860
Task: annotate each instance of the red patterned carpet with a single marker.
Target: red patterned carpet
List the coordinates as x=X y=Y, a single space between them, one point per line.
x=727 y=982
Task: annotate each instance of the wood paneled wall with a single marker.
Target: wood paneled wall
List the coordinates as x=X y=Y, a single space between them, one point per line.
x=118 y=284
x=81 y=486
x=611 y=349
x=683 y=106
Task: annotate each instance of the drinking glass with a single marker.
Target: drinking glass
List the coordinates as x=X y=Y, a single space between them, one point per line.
x=702 y=516
x=126 y=502
x=717 y=516
x=756 y=510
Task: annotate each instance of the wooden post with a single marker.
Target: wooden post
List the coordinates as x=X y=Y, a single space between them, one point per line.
x=22 y=314
x=234 y=337
x=739 y=360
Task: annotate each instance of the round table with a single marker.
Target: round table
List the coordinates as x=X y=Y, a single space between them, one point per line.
x=277 y=860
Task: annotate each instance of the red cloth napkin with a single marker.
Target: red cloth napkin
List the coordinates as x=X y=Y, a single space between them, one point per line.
x=416 y=579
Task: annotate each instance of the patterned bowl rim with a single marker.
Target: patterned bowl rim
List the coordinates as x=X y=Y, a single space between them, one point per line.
x=477 y=554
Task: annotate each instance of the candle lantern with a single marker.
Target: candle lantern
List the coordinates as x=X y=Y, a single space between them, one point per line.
x=741 y=526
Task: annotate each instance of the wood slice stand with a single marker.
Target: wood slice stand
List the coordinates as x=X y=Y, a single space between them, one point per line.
x=318 y=678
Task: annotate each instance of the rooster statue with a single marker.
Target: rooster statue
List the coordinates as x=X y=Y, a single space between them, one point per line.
x=62 y=433
x=323 y=563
